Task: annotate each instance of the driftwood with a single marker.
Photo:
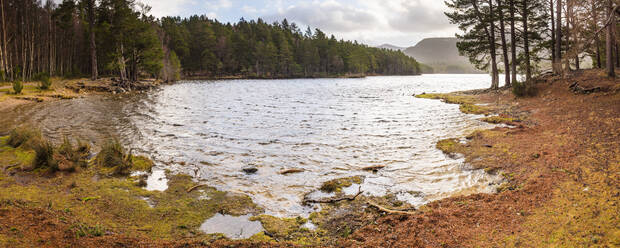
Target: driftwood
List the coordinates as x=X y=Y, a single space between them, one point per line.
x=289 y=171
x=373 y=168
x=334 y=200
x=195 y=187
x=389 y=211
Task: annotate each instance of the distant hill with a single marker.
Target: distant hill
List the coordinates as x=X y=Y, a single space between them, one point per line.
x=442 y=55
x=392 y=47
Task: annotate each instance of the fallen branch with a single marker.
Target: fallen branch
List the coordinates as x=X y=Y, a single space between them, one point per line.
x=389 y=211
x=195 y=187
x=334 y=200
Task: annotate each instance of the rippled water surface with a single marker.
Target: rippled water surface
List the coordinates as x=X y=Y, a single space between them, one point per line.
x=330 y=128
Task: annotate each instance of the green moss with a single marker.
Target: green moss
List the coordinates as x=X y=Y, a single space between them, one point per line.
x=279 y=227
x=447 y=146
x=116 y=203
x=473 y=109
x=287 y=229
x=336 y=185
x=261 y=237
x=498 y=119
x=141 y=163
x=467 y=103
x=449 y=98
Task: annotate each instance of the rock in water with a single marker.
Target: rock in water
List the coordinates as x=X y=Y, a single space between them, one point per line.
x=250 y=170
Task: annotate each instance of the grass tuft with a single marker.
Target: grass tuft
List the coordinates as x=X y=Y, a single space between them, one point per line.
x=114 y=156
x=21 y=135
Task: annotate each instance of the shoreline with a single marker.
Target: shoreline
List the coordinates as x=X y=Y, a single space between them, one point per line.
x=535 y=174
x=244 y=77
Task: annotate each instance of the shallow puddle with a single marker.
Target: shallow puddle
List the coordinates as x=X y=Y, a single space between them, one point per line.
x=233 y=227
x=157 y=181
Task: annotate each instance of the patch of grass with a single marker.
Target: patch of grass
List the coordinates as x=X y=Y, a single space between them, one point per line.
x=473 y=109
x=81 y=230
x=447 y=146
x=499 y=119
x=467 y=103
x=69 y=157
x=44 y=155
x=449 y=98
x=336 y=185
x=114 y=157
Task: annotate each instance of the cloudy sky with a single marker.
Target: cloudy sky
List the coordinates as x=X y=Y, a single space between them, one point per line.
x=374 y=22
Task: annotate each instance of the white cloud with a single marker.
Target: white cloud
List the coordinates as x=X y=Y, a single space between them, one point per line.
x=218 y=4
x=249 y=9
x=400 y=22
x=167 y=7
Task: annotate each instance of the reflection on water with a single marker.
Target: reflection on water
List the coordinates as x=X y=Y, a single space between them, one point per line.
x=233 y=227
x=330 y=128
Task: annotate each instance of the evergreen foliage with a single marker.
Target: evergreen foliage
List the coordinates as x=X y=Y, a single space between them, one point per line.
x=207 y=47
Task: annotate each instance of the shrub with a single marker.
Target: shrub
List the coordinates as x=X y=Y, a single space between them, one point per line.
x=523 y=89
x=113 y=156
x=44 y=81
x=22 y=135
x=18 y=86
x=69 y=158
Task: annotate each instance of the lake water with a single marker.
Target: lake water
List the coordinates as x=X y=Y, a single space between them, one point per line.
x=330 y=128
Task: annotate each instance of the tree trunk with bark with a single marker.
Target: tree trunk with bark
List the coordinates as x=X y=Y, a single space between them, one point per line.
x=93 y=46
x=610 y=40
x=557 y=66
x=513 y=41
x=526 y=43
x=504 y=45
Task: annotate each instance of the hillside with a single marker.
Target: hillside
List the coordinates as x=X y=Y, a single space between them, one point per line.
x=442 y=55
x=392 y=47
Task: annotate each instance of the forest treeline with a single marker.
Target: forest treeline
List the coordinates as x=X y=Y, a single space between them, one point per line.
x=521 y=35
x=119 y=38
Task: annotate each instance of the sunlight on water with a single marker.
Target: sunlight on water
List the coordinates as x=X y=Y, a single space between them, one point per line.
x=330 y=128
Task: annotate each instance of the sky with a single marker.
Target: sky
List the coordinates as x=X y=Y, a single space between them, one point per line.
x=373 y=22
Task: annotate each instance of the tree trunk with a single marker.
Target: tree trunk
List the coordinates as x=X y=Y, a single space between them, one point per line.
x=93 y=46
x=504 y=46
x=2 y=52
x=571 y=20
x=494 y=73
x=610 y=40
x=552 y=32
x=567 y=35
x=597 y=40
x=513 y=41
x=121 y=64
x=557 y=66
x=526 y=43
x=617 y=52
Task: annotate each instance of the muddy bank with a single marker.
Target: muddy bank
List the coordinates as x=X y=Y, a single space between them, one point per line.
x=560 y=165
x=63 y=89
